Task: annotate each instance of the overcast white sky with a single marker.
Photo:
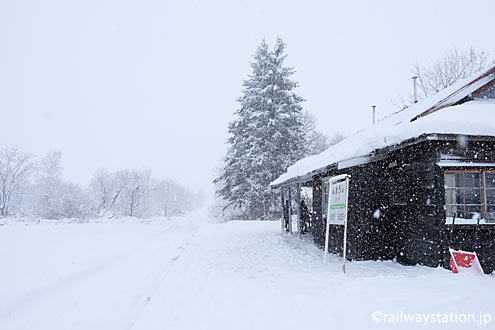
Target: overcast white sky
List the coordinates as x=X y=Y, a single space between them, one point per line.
x=152 y=84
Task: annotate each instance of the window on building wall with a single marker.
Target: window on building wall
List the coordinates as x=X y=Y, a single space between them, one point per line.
x=470 y=194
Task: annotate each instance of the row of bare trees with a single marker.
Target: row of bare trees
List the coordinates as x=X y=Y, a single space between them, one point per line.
x=35 y=187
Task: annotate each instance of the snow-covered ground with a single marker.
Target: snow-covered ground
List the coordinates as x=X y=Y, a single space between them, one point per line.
x=189 y=273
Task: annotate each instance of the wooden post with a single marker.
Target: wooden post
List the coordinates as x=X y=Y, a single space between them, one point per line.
x=345 y=224
x=327 y=231
x=483 y=184
x=318 y=227
x=282 y=220
x=290 y=213
x=299 y=211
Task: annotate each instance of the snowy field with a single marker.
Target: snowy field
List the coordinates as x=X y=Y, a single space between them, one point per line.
x=189 y=273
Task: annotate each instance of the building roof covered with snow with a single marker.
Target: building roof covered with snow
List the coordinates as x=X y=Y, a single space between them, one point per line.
x=465 y=108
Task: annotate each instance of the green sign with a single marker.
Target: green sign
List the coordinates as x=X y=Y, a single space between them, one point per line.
x=337 y=204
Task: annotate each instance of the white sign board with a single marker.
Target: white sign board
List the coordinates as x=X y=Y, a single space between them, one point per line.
x=337 y=203
x=338 y=197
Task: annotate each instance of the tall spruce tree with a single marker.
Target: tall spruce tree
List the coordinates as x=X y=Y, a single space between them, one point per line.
x=267 y=134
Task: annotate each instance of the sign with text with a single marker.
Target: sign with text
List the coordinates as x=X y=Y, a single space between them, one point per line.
x=338 y=197
x=337 y=202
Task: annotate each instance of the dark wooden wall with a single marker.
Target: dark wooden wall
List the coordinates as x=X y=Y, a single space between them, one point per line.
x=418 y=220
x=318 y=226
x=469 y=237
x=408 y=190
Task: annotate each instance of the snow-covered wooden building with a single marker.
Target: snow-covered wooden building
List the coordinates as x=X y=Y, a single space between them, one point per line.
x=413 y=174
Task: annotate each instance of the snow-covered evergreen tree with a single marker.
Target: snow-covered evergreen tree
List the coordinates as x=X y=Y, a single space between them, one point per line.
x=267 y=134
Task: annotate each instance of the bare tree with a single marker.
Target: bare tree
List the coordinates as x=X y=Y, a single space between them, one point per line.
x=316 y=141
x=162 y=195
x=136 y=193
x=107 y=188
x=168 y=197
x=336 y=138
x=48 y=187
x=444 y=72
x=74 y=203
x=15 y=168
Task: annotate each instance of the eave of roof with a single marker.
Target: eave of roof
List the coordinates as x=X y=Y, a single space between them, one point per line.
x=379 y=154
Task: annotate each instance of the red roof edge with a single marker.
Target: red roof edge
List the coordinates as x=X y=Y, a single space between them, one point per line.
x=438 y=104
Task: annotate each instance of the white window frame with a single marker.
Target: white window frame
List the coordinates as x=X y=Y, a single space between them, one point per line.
x=483 y=188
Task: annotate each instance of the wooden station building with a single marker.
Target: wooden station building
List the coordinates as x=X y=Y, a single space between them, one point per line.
x=422 y=181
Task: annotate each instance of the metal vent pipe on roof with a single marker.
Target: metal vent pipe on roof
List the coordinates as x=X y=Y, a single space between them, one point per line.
x=374 y=111
x=415 y=89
